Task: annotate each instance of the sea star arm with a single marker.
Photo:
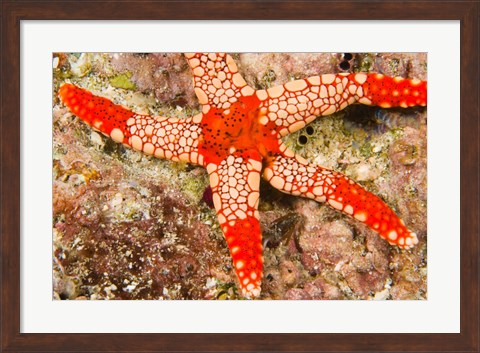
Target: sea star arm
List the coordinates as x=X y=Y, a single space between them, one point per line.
x=169 y=138
x=216 y=80
x=293 y=105
x=235 y=185
x=294 y=175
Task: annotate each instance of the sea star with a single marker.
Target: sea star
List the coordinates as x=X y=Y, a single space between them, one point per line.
x=236 y=138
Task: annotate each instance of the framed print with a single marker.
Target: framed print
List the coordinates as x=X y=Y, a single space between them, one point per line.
x=290 y=249
x=105 y=245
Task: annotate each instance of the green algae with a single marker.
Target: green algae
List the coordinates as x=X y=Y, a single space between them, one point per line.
x=364 y=63
x=123 y=81
x=227 y=291
x=393 y=64
x=194 y=186
x=268 y=77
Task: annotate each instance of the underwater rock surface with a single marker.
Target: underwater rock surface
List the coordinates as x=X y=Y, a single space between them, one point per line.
x=130 y=226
